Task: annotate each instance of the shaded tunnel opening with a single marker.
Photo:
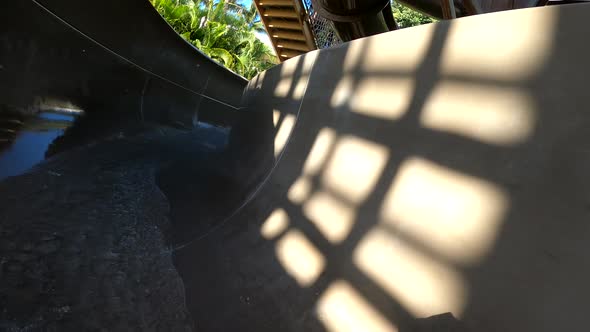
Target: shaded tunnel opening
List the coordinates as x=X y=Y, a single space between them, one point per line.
x=27 y=138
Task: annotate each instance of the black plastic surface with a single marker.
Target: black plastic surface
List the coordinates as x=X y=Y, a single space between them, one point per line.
x=115 y=55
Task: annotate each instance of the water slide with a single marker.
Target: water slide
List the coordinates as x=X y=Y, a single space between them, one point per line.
x=427 y=179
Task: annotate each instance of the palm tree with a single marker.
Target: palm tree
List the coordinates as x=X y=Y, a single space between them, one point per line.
x=253 y=19
x=224 y=30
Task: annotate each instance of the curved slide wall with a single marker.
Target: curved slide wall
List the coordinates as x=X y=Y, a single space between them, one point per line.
x=115 y=55
x=437 y=169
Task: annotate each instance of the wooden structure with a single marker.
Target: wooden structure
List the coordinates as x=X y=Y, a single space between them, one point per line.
x=287 y=26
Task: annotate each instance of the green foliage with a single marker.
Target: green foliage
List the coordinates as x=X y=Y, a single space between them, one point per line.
x=222 y=29
x=407 y=17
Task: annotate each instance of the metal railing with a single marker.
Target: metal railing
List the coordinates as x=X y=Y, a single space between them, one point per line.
x=323 y=30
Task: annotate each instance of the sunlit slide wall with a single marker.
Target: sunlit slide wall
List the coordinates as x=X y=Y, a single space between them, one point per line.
x=442 y=168
x=110 y=55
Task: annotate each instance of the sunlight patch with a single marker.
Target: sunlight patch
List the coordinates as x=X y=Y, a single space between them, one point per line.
x=452 y=213
x=283 y=133
x=333 y=218
x=385 y=98
x=342 y=309
x=318 y=153
x=276 y=115
x=485 y=113
x=300 y=87
x=300 y=258
x=300 y=190
x=275 y=224
x=516 y=48
x=342 y=92
x=355 y=167
x=421 y=284
x=283 y=87
x=397 y=54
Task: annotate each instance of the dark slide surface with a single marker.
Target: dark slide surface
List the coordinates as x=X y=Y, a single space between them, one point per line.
x=87 y=236
x=103 y=53
x=167 y=205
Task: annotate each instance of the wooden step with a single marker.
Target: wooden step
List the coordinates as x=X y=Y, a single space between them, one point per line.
x=284 y=21
x=284 y=24
x=287 y=34
x=293 y=45
x=286 y=54
x=271 y=12
x=277 y=3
